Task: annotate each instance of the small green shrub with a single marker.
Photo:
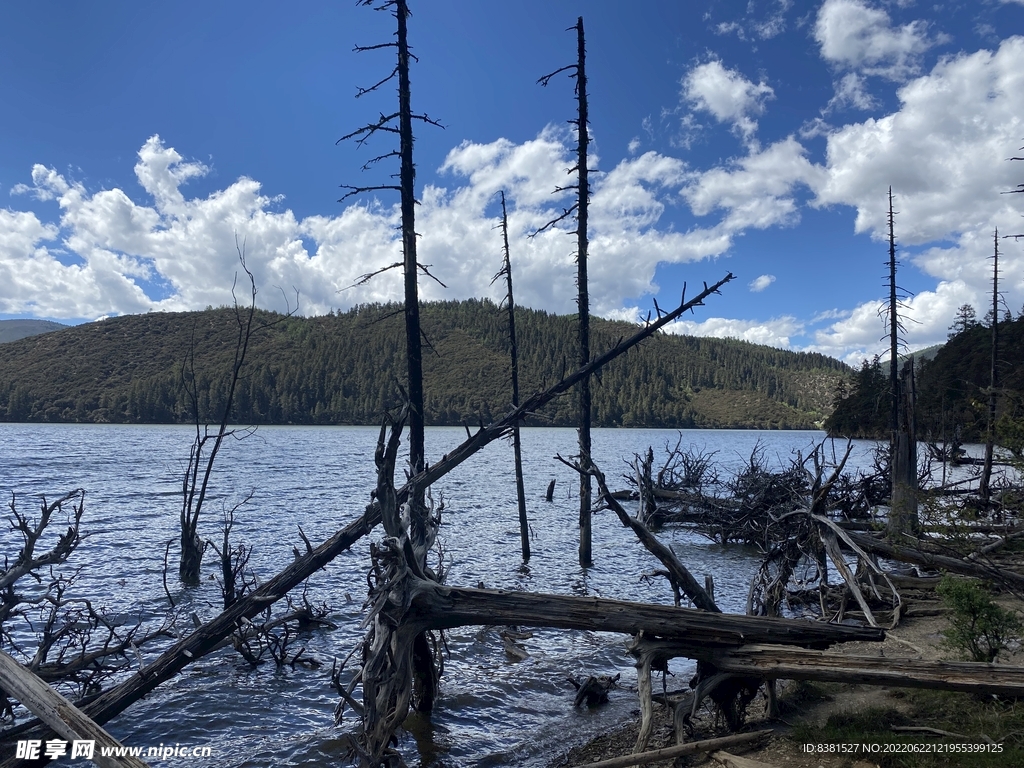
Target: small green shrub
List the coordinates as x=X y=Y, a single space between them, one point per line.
x=979 y=628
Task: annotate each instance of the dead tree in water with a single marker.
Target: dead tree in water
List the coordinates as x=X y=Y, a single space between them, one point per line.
x=419 y=514
x=506 y=272
x=64 y=640
x=903 y=440
x=580 y=208
x=194 y=488
x=583 y=613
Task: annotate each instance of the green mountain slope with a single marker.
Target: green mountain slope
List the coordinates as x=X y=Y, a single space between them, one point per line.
x=12 y=330
x=952 y=389
x=345 y=369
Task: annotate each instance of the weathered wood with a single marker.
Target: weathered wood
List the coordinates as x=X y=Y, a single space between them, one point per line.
x=513 y=351
x=437 y=607
x=737 y=761
x=942 y=562
x=59 y=714
x=778 y=662
x=593 y=691
x=678 y=573
x=694 y=747
x=903 y=516
x=828 y=538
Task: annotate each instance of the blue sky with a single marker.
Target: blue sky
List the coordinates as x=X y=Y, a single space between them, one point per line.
x=758 y=137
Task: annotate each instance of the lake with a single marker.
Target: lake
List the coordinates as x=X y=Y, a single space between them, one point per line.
x=491 y=711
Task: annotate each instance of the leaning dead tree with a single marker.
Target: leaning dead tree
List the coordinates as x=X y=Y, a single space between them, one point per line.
x=580 y=208
x=513 y=347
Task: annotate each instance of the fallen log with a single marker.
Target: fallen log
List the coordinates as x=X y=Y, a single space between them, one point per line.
x=736 y=761
x=433 y=606
x=940 y=562
x=780 y=662
x=209 y=636
x=60 y=714
x=694 y=747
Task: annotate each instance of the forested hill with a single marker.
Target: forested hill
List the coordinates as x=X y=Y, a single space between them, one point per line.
x=12 y=330
x=952 y=391
x=345 y=368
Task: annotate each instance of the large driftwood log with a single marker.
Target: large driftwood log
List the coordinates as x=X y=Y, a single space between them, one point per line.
x=779 y=662
x=942 y=562
x=432 y=606
x=708 y=745
x=59 y=713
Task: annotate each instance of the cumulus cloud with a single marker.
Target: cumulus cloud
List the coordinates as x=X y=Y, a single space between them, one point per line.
x=757 y=190
x=853 y=35
x=758 y=284
x=112 y=254
x=944 y=153
x=775 y=332
x=727 y=95
x=862 y=333
x=851 y=91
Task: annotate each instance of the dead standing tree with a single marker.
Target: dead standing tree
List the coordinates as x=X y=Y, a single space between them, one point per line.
x=580 y=209
x=194 y=488
x=903 y=439
x=424 y=671
x=506 y=272
x=984 y=484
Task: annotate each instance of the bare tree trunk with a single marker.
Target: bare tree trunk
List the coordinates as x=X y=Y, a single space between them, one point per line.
x=903 y=438
x=506 y=270
x=194 y=489
x=580 y=208
x=984 y=489
x=582 y=244
x=903 y=516
x=414 y=357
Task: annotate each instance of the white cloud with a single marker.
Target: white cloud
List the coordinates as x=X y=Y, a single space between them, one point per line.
x=727 y=95
x=862 y=334
x=757 y=190
x=111 y=254
x=853 y=35
x=775 y=332
x=770 y=25
x=944 y=151
x=758 y=284
x=851 y=91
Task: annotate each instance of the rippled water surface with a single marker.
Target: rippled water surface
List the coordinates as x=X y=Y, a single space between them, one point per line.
x=492 y=711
